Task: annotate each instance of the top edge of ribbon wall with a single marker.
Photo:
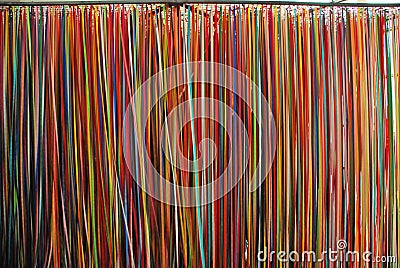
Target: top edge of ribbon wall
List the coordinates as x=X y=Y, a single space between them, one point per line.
x=197 y=6
x=339 y=12
x=322 y=3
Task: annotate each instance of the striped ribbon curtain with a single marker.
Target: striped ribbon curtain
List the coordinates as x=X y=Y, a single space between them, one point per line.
x=329 y=74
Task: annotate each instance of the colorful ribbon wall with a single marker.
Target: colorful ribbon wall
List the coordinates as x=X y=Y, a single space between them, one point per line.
x=331 y=76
